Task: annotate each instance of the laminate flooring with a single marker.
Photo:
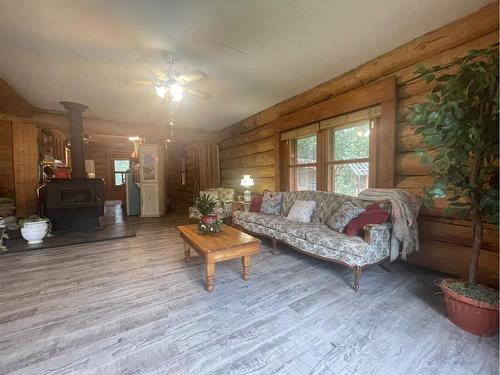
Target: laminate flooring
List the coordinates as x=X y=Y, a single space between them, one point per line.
x=134 y=306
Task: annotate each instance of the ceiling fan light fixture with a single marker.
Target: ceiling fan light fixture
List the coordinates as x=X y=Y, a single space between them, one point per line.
x=176 y=92
x=161 y=91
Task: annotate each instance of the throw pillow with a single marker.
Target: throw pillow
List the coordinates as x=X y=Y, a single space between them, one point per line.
x=343 y=216
x=301 y=211
x=372 y=215
x=271 y=203
x=255 y=204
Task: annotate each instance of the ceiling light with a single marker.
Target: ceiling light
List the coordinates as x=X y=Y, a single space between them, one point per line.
x=161 y=91
x=176 y=92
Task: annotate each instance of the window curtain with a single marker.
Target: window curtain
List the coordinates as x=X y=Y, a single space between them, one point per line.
x=207 y=168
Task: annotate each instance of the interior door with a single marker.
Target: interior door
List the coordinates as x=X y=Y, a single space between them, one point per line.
x=149 y=197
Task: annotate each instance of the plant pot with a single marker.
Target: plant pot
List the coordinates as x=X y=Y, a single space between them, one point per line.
x=34 y=232
x=209 y=219
x=476 y=317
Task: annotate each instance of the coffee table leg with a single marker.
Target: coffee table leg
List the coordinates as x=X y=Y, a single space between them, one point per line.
x=245 y=262
x=187 y=251
x=210 y=271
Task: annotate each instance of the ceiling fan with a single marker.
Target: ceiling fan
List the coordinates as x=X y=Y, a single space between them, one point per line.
x=172 y=84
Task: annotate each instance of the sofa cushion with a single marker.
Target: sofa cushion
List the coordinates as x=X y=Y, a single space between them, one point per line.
x=339 y=220
x=255 y=204
x=301 y=211
x=297 y=229
x=278 y=223
x=332 y=239
x=251 y=217
x=372 y=215
x=271 y=203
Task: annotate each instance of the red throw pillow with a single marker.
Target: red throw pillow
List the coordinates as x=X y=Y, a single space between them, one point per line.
x=255 y=204
x=373 y=215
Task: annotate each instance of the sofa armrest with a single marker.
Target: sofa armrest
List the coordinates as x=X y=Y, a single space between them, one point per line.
x=372 y=231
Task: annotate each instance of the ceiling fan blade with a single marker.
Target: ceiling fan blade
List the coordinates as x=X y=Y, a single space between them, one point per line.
x=192 y=77
x=142 y=82
x=198 y=93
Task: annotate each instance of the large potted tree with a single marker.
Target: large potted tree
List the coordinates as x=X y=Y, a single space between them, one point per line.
x=459 y=123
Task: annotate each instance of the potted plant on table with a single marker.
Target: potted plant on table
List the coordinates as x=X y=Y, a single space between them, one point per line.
x=208 y=222
x=459 y=122
x=34 y=228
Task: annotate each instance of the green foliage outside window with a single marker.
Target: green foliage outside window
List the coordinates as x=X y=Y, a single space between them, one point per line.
x=351 y=143
x=306 y=150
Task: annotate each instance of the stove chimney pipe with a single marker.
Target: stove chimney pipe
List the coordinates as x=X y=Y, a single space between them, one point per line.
x=76 y=137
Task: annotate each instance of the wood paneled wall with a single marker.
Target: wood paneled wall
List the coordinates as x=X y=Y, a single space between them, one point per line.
x=248 y=147
x=6 y=160
x=25 y=167
x=177 y=192
x=103 y=152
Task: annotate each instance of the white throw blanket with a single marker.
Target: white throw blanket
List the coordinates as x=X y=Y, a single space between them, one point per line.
x=405 y=207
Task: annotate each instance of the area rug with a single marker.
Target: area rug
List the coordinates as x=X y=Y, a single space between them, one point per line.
x=108 y=232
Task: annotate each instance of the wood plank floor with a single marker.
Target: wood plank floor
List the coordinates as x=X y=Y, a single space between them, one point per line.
x=133 y=306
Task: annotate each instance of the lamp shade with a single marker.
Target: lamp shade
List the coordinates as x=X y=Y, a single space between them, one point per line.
x=246 y=181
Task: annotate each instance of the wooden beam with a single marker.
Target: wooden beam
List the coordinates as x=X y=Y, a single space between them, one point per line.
x=375 y=93
x=12 y=103
x=93 y=126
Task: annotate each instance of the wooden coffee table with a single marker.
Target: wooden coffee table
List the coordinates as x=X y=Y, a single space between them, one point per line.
x=217 y=247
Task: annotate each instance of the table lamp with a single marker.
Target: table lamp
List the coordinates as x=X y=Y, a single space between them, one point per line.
x=247 y=182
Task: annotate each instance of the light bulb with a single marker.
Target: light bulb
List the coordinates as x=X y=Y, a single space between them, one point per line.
x=176 y=92
x=161 y=91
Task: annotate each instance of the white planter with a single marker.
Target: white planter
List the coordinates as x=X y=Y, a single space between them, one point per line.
x=35 y=232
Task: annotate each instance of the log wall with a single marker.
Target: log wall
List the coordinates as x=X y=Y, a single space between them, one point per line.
x=179 y=195
x=247 y=146
x=6 y=160
x=103 y=153
x=25 y=167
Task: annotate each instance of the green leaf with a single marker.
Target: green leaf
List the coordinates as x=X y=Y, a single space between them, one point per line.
x=420 y=69
x=443 y=78
x=429 y=78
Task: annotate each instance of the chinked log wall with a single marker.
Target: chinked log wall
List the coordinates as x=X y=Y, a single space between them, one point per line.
x=248 y=146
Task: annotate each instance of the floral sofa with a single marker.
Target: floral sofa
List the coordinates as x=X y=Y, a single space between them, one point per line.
x=224 y=198
x=316 y=238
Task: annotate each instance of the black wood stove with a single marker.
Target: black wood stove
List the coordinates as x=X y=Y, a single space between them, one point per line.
x=76 y=203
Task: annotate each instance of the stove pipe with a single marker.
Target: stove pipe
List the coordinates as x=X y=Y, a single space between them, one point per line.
x=76 y=137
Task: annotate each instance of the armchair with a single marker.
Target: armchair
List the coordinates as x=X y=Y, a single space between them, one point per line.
x=224 y=197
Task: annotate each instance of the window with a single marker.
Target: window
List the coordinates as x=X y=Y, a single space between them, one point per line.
x=348 y=159
x=302 y=163
x=119 y=169
x=337 y=154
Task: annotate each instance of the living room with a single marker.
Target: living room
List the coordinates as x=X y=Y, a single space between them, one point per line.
x=183 y=189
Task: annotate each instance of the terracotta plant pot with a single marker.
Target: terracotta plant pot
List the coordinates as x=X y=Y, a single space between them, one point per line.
x=476 y=317
x=209 y=219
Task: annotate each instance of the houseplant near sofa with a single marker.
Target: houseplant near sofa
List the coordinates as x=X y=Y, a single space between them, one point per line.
x=459 y=122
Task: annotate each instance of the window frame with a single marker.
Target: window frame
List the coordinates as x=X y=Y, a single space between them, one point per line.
x=329 y=135
x=292 y=150
x=323 y=152
x=381 y=93
x=114 y=172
